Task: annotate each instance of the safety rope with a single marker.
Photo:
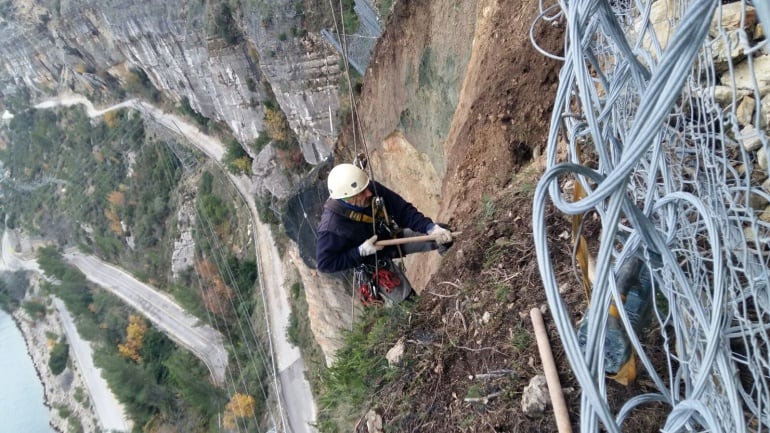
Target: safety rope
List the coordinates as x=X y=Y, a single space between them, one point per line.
x=386 y=278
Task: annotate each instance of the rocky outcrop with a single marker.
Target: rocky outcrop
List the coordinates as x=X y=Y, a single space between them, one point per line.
x=743 y=87
x=189 y=50
x=182 y=49
x=417 y=79
x=332 y=306
x=183 y=253
x=269 y=177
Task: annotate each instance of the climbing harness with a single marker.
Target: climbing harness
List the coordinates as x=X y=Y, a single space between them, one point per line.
x=338 y=208
x=386 y=279
x=366 y=290
x=380 y=282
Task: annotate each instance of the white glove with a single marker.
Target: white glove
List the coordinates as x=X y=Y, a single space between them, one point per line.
x=443 y=236
x=368 y=248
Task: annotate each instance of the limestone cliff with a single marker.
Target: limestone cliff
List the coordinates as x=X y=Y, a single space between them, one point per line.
x=215 y=59
x=204 y=52
x=407 y=106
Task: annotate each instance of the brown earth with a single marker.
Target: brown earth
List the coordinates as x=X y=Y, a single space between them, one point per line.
x=472 y=318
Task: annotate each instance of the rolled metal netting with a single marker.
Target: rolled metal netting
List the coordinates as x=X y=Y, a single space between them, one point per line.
x=666 y=132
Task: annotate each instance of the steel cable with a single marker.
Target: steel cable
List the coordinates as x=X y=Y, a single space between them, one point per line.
x=667 y=170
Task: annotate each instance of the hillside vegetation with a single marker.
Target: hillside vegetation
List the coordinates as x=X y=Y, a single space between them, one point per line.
x=469 y=346
x=113 y=187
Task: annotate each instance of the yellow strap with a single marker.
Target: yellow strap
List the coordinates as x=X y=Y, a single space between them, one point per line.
x=359 y=217
x=627 y=372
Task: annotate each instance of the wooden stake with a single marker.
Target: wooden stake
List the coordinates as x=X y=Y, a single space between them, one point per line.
x=551 y=374
x=410 y=240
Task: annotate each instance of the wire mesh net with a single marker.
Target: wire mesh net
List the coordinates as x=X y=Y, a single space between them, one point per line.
x=662 y=113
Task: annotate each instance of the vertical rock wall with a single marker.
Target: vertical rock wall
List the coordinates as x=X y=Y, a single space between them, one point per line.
x=84 y=45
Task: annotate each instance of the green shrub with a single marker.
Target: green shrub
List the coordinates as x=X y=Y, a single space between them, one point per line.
x=236 y=159
x=360 y=368
x=251 y=84
x=75 y=426
x=207 y=180
x=34 y=309
x=80 y=395
x=260 y=142
x=63 y=410
x=200 y=119
x=292 y=330
x=59 y=357
x=225 y=25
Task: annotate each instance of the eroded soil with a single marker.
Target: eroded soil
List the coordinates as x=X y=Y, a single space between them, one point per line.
x=473 y=317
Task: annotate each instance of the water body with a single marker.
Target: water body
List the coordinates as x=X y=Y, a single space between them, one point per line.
x=21 y=393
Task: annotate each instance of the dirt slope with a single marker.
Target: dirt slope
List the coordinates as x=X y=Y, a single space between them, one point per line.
x=472 y=318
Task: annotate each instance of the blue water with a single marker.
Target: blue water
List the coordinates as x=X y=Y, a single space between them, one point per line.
x=21 y=393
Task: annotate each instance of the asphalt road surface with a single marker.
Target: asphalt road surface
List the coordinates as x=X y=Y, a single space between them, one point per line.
x=202 y=340
x=296 y=401
x=107 y=408
x=109 y=412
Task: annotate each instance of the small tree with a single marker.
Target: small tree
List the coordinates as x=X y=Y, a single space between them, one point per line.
x=216 y=296
x=236 y=159
x=59 y=357
x=134 y=339
x=240 y=406
x=35 y=309
x=276 y=124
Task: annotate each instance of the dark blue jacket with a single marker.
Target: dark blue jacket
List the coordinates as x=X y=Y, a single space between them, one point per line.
x=339 y=236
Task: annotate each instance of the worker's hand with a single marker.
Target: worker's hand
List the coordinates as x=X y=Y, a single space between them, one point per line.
x=443 y=236
x=368 y=248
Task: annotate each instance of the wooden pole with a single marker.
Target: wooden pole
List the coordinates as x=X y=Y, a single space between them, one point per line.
x=410 y=240
x=551 y=374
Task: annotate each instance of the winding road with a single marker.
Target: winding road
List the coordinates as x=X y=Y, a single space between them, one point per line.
x=186 y=330
x=296 y=405
x=108 y=410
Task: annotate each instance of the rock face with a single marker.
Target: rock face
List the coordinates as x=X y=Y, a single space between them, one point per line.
x=197 y=53
x=215 y=61
x=193 y=51
x=183 y=255
x=331 y=307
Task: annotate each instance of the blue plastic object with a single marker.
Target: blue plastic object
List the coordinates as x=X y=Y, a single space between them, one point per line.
x=634 y=284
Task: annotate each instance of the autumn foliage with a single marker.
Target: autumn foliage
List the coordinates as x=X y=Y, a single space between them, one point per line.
x=134 y=339
x=111 y=118
x=276 y=125
x=114 y=221
x=239 y=406
x=117 y=199
x=217 y=296
x=243 y=164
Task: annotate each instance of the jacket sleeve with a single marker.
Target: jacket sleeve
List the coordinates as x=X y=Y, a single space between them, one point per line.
x=403 y=212
x=332 y=255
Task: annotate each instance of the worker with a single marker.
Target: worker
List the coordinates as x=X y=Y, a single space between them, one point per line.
x=358 y=213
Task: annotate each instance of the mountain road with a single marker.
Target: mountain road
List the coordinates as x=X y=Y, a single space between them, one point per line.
x=295 y=397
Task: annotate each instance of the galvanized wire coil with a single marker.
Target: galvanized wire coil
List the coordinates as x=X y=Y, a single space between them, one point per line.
x=665 y=160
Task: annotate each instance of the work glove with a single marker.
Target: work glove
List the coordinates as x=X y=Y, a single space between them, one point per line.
x=368 y=248
x=443 y=236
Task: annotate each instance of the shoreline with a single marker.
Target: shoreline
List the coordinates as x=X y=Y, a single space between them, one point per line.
x=17 y=320
x=59 y=391
x=78 y=399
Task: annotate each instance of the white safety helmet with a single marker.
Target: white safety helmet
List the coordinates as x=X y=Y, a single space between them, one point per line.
x=346 y=180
